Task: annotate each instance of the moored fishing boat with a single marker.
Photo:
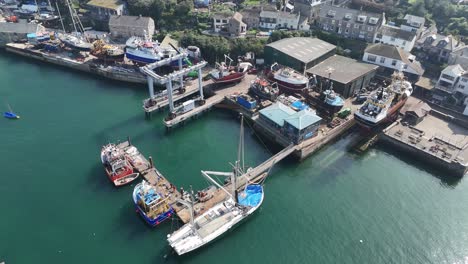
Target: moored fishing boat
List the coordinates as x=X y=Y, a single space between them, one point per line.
x=151 y=205
x=225 y=73
x=117 y=166
x=288 y=79
x=384 y=103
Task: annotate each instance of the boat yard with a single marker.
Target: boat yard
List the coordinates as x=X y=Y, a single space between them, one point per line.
x=301 y=120
x=125 y=72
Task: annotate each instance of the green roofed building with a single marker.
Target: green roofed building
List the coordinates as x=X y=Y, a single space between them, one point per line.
x=301 y=125
x=275 y=114
x=299 y=53
x=296 y=126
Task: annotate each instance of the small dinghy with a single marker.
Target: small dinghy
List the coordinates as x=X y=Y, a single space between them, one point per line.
x=10 y=114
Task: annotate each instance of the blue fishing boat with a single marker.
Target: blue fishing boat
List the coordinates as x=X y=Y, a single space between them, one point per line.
x=152 y=206
x=333 y=99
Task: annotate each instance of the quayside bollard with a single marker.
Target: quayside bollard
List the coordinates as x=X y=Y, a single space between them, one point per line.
x=151 y=161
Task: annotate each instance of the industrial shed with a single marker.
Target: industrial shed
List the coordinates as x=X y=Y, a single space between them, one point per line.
x=348 y=75
x=299 y=53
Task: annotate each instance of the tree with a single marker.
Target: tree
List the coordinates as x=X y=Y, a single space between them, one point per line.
x=183 y=7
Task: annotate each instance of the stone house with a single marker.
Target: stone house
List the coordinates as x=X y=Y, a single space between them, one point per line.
x=124 y=27
x=236 y=26
x=350 y=23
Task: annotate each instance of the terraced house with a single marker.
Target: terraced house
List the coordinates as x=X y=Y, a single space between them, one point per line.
x=350 y=23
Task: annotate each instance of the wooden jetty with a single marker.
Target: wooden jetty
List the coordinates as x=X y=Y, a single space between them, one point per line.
x=253 y=175
x=153 y=176
x=241 y=87
x=163 y=186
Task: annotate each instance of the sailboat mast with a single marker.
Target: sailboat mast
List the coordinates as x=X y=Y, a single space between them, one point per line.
x=71 y=15
x=61 y=20
x=204 y=173
x=240 y=158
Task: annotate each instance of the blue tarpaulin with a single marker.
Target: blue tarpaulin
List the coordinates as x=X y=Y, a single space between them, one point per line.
x=251 y=196
x=299 y=105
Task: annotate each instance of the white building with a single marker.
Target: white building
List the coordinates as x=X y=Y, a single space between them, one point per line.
x=450 y=78
x=392 y=59
x=221 y=21
x=454 y=80
x=413 y=24
x=395 y=36
x=279 y=19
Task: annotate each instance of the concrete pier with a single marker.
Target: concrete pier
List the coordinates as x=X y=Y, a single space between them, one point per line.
x=90 y=64
x=219 y=96
x=433 y=140
x=159 y=102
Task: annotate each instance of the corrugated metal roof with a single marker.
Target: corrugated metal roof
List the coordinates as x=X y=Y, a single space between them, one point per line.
x=303 y=49
x=277 y=113
x=344 y=70
x=302 y=119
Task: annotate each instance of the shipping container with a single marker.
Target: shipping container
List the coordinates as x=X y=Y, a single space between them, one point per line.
x=247 y=101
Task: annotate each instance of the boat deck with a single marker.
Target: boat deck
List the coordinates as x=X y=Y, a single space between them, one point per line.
x=163 y=186
x=154 y=177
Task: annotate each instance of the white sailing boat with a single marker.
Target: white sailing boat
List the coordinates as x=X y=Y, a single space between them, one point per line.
x=222 y=217
x=75 y=40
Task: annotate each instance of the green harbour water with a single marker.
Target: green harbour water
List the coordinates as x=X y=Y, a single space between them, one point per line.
x=335 y=207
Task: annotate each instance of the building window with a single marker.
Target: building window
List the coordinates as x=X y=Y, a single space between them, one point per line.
x=356 y=26
x=404 y=43
x=382 y=60
x=225 y=21
x=461 y=86
x=394 y=62
x=371 y=58
x=405 y=67
x=218 y=20
x=448 y=77
x=392 y=39
x=346 y=31
x=464 y=80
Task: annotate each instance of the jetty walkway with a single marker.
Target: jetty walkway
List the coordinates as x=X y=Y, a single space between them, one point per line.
x=241 y=87
x=150 y=174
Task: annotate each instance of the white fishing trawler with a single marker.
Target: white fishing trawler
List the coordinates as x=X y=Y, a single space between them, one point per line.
x=143 y=50
x=384 y=103
x=288 y=79
x=222 y=217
